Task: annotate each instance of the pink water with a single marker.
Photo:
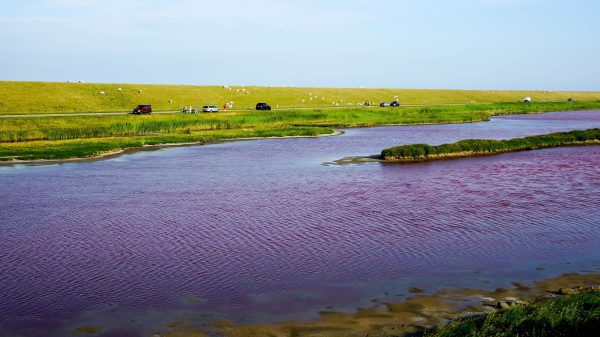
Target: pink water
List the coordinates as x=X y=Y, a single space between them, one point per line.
x=261 y=231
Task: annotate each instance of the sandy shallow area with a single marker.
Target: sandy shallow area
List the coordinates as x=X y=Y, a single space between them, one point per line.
x=413 y=316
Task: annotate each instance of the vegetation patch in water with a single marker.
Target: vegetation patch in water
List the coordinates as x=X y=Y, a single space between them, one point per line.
x=476 y=147
x=87 y=330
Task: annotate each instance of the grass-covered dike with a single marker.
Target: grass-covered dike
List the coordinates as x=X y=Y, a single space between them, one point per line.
x=479 y=147
x=569 y=316
x=57 y=97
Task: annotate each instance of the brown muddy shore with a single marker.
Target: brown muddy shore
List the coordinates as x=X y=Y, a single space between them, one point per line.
x=414 y=316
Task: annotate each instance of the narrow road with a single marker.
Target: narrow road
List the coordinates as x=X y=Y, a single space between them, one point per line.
x=236 y=110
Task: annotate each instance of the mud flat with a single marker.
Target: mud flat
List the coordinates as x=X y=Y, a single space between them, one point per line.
x=420 y=313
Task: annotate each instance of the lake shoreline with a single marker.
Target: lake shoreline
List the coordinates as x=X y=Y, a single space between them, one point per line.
x=417 y=314
x=349 y=160
x=148 y=147
x=67 y=140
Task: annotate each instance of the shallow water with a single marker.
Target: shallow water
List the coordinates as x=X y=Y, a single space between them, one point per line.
x=259 y=231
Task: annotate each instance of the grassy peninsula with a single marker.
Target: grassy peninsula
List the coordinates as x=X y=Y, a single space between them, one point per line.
x=478 y=147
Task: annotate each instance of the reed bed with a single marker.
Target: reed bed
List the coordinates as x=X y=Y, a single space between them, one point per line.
x=473 y=147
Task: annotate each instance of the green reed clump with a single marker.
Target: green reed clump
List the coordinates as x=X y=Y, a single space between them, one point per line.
x=488 y=146
x=571 y=316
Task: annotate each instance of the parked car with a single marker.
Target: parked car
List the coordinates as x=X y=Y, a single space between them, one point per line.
x=262 y=106
x=210 y=108
x=143 y=109
x=395 y=103
x=384 y=104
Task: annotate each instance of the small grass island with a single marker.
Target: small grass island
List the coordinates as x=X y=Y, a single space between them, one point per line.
x=481 y=147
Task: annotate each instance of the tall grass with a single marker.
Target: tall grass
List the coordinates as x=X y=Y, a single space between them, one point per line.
x=471 y=147
x=48 y=97
x=94 y=135
x=573 y=316
x=75 y=127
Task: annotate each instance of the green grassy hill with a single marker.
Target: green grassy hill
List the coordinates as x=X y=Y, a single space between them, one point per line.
x=51 y=97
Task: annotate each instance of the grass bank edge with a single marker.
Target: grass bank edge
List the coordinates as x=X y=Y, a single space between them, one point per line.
x=92 y=148
x=482 y=147
x=571 y=315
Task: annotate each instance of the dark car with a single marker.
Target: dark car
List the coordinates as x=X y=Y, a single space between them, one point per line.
x=395 y=103
x=262 y=106
x=384 y=104
x=143 y=109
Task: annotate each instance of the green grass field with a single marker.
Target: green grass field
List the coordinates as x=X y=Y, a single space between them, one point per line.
x=472 y=147
x=54 y=97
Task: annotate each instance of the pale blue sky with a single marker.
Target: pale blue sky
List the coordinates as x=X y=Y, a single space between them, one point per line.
x=460 y=44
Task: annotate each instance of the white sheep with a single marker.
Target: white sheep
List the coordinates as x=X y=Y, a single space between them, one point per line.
x=119 y=89
x=102 y=93
x=140 y=92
